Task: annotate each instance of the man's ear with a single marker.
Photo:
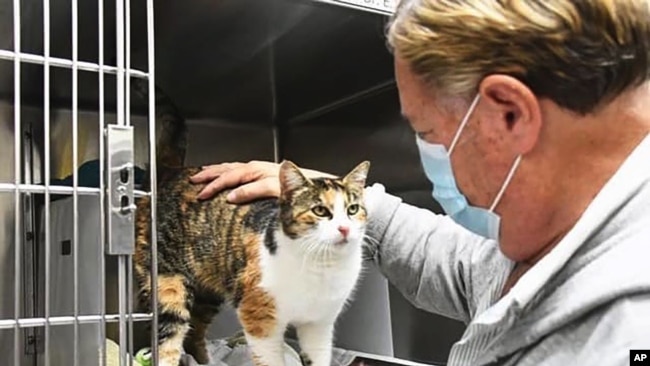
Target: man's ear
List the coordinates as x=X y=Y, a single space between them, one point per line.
x=513 y=107
x=291 y=179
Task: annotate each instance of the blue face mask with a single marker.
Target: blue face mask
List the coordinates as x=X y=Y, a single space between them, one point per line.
x=437 y=167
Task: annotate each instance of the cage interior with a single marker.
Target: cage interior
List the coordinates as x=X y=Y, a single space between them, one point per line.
x=257 y=80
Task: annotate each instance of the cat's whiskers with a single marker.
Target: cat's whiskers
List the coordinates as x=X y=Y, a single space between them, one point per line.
x=308 y=249
x=316 y=253
x=311 y=246
x=323 y=254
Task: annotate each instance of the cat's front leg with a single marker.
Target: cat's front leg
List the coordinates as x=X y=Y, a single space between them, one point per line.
x=316 y=342
x=264 y=331
x=267 y=351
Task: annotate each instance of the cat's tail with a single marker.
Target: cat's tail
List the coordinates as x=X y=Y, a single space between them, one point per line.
x=171 y=130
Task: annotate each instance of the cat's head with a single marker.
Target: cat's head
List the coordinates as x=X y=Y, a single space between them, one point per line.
x=323 y=211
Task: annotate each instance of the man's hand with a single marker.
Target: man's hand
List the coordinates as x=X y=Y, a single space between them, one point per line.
x=250 y=181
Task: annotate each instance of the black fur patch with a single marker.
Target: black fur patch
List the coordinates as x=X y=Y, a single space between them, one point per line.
x=168 y=323
x=261 y=213
x=239 y=294
x=263 y=218
x=269 y=239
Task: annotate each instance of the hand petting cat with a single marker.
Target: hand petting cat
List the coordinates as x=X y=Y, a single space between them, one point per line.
x=252 y=180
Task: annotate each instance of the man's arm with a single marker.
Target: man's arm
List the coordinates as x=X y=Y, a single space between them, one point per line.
x=436 y=264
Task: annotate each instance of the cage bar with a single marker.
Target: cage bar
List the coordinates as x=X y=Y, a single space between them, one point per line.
x=35 y=188
x=68 y=320
x=60 y=190
x=65 y=64
x=17 y=180
x=127 y=61
x=119 y=40
x=121 y=268
x=129 y=308
x=129 y=269
x=102 y=197
x=75 y=177
x=46 y=121
x=153 y=181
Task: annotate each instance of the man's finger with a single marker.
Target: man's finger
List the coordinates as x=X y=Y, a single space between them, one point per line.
x=211 y=172
x=229 y=179
x=268 y=187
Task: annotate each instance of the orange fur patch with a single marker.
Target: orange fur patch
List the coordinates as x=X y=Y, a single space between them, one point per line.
x=257 y=310
x=328 y=196
x=172 y=290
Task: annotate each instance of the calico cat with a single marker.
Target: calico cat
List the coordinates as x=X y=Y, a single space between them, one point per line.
x=293 y=260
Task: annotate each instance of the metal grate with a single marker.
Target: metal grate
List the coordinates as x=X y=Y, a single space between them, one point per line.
x=25 y=191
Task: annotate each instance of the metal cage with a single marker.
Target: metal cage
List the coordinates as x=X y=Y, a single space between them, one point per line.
x=41 y=327
x=66 y=229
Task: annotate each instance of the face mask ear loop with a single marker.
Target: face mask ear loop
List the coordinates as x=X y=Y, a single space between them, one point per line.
x=511 y=174
x=463 y=123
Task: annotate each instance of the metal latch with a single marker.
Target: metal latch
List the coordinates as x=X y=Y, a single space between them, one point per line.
x=119 y=190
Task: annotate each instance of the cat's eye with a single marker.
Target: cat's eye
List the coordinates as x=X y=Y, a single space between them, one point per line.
x=321 y=211
x=353 y=209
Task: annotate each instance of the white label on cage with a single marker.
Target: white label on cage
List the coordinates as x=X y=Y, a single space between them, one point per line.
x=381 y=5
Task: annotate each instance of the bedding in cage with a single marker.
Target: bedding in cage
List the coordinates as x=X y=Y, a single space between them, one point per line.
x=231 y=352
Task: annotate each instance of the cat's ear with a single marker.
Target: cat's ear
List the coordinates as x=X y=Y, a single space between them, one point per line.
x=291 y=178
x=357 y=177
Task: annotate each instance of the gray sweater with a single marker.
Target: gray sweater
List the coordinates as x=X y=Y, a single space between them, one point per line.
x=586 y=303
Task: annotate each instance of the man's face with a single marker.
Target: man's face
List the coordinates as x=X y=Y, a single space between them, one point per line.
x=505 y=123
x=436 y=120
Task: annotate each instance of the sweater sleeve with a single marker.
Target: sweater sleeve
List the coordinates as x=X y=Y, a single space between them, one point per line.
x=434 y=262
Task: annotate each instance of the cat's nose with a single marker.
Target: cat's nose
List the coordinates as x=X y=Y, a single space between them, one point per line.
x=344 y=230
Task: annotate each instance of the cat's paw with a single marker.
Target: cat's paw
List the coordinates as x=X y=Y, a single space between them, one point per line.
x=199 y=353
x=203 y=358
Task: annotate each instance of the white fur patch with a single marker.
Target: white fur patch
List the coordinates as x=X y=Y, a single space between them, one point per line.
x=311 y=278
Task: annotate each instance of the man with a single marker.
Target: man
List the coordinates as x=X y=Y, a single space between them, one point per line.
x=532 y=121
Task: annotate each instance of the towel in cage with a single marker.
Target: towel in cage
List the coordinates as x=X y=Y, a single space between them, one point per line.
x=223 y=352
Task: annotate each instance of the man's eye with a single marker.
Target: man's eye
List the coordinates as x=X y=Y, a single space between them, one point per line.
x=423 y=134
